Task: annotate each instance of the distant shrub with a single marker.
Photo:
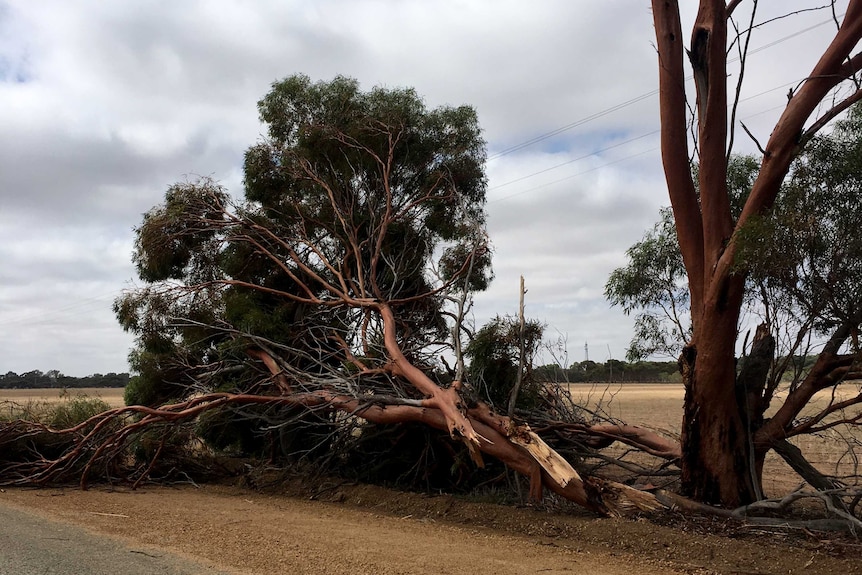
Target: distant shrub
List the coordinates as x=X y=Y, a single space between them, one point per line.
x=74 y=410
x=30 y=410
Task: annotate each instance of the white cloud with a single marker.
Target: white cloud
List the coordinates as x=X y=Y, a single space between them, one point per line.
x=105 y=104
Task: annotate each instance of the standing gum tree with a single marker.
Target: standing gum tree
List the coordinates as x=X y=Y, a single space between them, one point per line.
x=719 y=449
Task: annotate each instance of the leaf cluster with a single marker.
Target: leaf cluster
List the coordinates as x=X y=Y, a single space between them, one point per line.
x=349 y=198
x=494 y=354
x=807 y=250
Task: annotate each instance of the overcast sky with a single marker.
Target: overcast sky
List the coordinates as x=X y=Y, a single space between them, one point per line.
x=103 y=105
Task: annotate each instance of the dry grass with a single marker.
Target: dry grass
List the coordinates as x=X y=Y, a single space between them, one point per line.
x=113 y=396
x=57 y=408
x=659 y=407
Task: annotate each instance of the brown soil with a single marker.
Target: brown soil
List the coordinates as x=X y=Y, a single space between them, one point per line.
x=363 y=529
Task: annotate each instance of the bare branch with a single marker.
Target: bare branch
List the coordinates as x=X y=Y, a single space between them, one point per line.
x=753 y=138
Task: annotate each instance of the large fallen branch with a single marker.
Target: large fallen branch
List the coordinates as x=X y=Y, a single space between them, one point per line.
x=96 y=442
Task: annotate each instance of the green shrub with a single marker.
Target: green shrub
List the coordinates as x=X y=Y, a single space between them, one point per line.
x=30 y=411
x=72 y=411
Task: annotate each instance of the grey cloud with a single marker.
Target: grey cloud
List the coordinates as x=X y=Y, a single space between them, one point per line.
x=65 y=179
x=124 y=98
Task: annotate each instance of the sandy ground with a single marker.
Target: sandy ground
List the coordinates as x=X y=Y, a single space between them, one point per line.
x=365 y=529
x=249 y=533
x=370 y=530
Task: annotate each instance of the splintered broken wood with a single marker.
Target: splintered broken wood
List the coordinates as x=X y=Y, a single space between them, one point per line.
x=552 y=462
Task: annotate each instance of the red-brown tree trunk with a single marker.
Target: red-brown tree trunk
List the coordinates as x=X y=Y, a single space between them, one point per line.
x=719 y=462
x=716 y=456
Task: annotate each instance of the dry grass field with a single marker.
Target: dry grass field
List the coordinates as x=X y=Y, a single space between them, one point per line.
x=659 y=407
x=113 y=396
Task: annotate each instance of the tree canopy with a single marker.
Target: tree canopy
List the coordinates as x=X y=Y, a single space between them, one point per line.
x=347 y=201
x=801 y=256
x=654 y=282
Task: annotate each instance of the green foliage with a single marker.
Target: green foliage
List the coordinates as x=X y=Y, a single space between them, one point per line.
x=414 y=456
x=742 y=170
x=350 y=196
x=27 y=445
x=142 y=390
x=807 y=251
x=802 y=259
x=494 y=359
x=224 y=430
x=612 y=370
x=654 y=283
x=74 y=410
x=322 y=167
x=169 y=243
x=53 y=379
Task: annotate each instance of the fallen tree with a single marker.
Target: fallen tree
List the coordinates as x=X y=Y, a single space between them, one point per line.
x=319 y=293
x=335 y=285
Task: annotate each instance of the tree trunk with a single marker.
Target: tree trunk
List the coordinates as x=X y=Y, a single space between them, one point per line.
x=719 y=462
x=717 y=465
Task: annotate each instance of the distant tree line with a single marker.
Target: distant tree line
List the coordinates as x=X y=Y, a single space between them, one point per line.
x=54 y=379
x=613 y=370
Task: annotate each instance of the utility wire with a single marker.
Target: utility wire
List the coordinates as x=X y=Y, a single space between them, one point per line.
x=623 y=143
x=41 y=316
x=619 y=160
x=575 y=124
x=644 y=96
x=581 y=173
x=566 y=163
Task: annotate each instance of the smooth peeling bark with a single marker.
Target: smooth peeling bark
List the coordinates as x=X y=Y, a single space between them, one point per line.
x=673 y=110
x=714 y=437
x=604 y=434
x=716 y=447
x=602 y=496
x=494 y=443
x=717 y=462
x=490 y=429
x=447 y=400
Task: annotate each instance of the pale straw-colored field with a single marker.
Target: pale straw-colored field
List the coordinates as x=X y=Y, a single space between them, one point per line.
x=113 y=396
x=659 y=407
x=656 y=406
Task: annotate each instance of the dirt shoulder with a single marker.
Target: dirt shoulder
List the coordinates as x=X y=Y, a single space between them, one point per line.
x=363 y=529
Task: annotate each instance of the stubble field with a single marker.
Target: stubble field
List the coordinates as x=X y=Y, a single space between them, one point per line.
x=659 y=407
x=113 y=396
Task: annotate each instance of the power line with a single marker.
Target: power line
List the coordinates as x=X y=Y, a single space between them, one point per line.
x=567 y=162
x=593 y=169
x=644 y=96
x=575 y=124
x=623 y=143
x=617 y=145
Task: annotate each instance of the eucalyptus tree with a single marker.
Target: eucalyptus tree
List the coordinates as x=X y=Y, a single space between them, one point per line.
x=333 y=286
x=719 y=449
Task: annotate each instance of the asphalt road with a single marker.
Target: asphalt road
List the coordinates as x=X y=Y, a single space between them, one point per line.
x=32 y=545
